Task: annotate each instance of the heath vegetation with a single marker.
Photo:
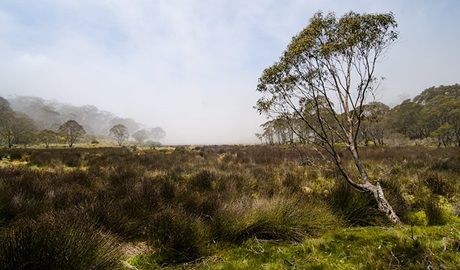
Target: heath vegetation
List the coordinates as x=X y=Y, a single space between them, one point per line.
x=225 y=207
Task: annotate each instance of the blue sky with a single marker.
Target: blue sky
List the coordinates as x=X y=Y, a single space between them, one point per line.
x=192 y=66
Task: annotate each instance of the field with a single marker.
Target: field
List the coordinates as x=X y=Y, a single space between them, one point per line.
x=225 y=207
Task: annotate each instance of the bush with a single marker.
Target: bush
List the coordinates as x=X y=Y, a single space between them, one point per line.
x=439 y=185
x=15 y=155
x=55 y=242
x=202 y=181
x=72 y=159
x=435 y=212
x=41 y=159
x=119 y=218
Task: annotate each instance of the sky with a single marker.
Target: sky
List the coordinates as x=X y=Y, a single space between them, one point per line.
x=191 y=66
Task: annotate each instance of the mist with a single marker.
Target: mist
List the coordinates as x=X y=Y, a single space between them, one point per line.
x=191 y=67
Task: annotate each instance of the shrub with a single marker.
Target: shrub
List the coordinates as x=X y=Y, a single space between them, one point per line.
x=393 y=193
x=15 y=155
x=435 y=212
x=23 y=194
x=447 y=164
x=41 y=159
x=55 y=242
x=72 y=159
x=292 y=183
x=202 y=181
x=438 y=184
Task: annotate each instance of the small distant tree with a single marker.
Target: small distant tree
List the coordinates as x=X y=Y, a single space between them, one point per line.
x=72 y=131
x=47 y=137
x=157 y=134
x=119 y=133
x=374 y=123
x=24 y=129
x=141 y=135
x=16 y=128
x=7 y=120
x=152 y=144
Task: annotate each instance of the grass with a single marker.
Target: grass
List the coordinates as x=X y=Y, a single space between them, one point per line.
x=56 y=242
x=348 y=248
x=226 y=207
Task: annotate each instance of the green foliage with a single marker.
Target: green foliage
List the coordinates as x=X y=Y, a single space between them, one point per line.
x=296 y=88
x=72 y=132
x=435 y=212
x=119 y=133
x=434 y=112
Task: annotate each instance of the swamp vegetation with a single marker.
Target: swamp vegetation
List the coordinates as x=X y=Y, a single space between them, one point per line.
x=225 y=207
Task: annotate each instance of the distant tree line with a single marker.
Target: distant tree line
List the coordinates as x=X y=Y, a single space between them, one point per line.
x=17 y=128
x=434 y=114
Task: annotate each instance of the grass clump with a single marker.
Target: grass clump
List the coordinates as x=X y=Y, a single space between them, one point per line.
x=54 y=242
x=276 y=218
x=435 y=212
x=356 y=208
x=178 y=236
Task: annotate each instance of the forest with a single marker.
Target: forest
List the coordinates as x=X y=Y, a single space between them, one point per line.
x=430 y=118
x=26 y=121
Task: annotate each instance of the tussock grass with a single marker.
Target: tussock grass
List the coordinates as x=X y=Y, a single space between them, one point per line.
x=177 y=235
x=57 y=242
x=356 y=208
x=274 y=206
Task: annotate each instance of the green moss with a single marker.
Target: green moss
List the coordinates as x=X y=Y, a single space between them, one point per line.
x=418 y=218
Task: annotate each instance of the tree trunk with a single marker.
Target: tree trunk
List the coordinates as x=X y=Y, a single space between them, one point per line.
x=382 y=203
x=376 y=190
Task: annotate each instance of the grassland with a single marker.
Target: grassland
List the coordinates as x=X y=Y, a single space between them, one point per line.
x=225 y=207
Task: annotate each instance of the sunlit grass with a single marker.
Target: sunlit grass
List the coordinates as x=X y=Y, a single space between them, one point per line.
x=351 y=248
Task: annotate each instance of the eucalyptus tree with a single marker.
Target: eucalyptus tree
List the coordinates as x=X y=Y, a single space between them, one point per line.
x=16 y=128
x=157 y=134
x=324 y=78
x=119 y=133
x=47 y=137
x=374 y=124
x=141 y=135
x=440 y=112
x=72 y=132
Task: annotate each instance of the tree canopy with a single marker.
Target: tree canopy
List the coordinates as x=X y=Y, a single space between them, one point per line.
x=119 y=133
x=72 y=132
x=324 y=79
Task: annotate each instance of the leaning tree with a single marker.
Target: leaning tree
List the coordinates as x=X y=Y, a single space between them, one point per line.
x=324 y=79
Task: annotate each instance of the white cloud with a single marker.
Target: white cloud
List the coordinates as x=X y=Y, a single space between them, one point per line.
x=191 y=67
